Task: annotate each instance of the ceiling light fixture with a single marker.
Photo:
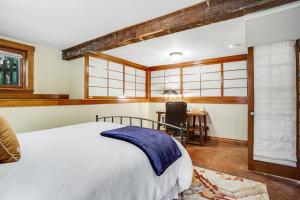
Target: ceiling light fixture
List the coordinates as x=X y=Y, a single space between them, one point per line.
x=176 y=55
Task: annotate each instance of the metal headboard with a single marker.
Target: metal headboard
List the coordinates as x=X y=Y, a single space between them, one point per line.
x=181 y=128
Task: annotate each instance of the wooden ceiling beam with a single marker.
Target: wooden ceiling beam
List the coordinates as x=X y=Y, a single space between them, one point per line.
x=192 y=17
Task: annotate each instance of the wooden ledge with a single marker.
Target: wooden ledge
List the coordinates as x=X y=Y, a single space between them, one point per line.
x=208 y=100
x=63 y=102
x=32 y=96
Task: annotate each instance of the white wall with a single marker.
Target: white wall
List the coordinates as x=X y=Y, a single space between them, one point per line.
x=25 y=119
x=76 y=78
x=51 y=73
x=225 y=120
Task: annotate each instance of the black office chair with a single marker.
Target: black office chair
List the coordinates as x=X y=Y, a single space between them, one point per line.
x=175 y=115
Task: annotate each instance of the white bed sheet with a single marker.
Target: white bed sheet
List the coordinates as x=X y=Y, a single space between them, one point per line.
x=77 y=163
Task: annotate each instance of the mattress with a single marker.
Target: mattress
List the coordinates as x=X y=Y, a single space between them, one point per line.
x=76 y=162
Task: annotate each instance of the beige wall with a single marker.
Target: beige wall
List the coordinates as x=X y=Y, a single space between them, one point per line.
x=225 y=120
x=76 y=78
x=51 y=73
x=25 y=119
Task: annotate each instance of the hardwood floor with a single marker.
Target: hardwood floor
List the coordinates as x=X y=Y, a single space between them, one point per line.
x=232 y=159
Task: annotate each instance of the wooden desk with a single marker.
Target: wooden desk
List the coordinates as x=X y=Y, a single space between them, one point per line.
x=201 y=115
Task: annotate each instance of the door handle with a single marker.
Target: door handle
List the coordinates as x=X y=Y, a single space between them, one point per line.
x=252 y=113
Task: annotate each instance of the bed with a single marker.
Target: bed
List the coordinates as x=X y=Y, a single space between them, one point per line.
x=77 y=163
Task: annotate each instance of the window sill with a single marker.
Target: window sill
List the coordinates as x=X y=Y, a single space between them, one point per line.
x=19 y=95
x=15 y=90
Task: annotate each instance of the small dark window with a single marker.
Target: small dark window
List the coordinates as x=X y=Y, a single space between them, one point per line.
x=11 y=69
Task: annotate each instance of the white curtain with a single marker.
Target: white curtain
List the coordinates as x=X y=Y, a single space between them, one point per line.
x=275 y=103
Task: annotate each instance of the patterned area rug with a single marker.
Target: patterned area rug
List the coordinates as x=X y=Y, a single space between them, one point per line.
x=213 y=185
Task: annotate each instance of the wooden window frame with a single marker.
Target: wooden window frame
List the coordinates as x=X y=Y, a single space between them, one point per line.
x=124 y=63
x=27 y=76
x=218 y=100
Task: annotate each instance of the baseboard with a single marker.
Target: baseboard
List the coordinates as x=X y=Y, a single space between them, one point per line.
x=227 y=141
x=274 y=169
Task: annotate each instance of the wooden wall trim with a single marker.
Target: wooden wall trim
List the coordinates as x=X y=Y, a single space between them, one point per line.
x=15 y=45
x=227 y=141
x=250 y=74
x=275 y=169
x=298 y=101
x=201 y=62
x=86 y=77
x=33 y=96
x=65 y=102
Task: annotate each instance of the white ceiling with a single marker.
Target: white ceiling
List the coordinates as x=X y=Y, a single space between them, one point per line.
x=195 y=44
x=64 y=23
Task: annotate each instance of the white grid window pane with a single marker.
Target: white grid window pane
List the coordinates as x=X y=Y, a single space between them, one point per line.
x=99 y=72
x=157 y=93
x=242 y=92
x=235 y=83
x=235 y=74
x=157 y=73
x=235 y=65
x=129 y=85
x=210 y=68
x=129 y=70
x=130 y=78
x=115 y=75
x=115 y=84
x=211 y=76
x=172 y=79
x=157 y=87
x=96 y=62
x=140 y=93
x=191 y=93
x=129 y=93
x=157 y=80
x=97 y=82
x=141 y=73
x=172 y=86
x=211 y=93
x=188 y=78
x=96 y=91
x=191 y=70
x=171 y=72
x=210 y=84
x=140 y=86
x=115 y=67
x=115 y=92
x=140 y=79
x=191 y=85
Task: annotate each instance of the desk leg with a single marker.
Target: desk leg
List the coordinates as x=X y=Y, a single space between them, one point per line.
x=158 y=119
x=187 y=131
x=200 y=129
x=205 y=129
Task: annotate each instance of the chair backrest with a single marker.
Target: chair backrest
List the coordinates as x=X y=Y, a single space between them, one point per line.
x=176 y=113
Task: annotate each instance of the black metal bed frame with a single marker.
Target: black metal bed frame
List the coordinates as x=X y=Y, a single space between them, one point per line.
x=181 y=128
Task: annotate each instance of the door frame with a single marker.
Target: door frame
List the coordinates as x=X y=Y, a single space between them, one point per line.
x=260 y=166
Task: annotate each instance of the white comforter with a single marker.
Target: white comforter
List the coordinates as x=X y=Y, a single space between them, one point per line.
x=77 y=163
